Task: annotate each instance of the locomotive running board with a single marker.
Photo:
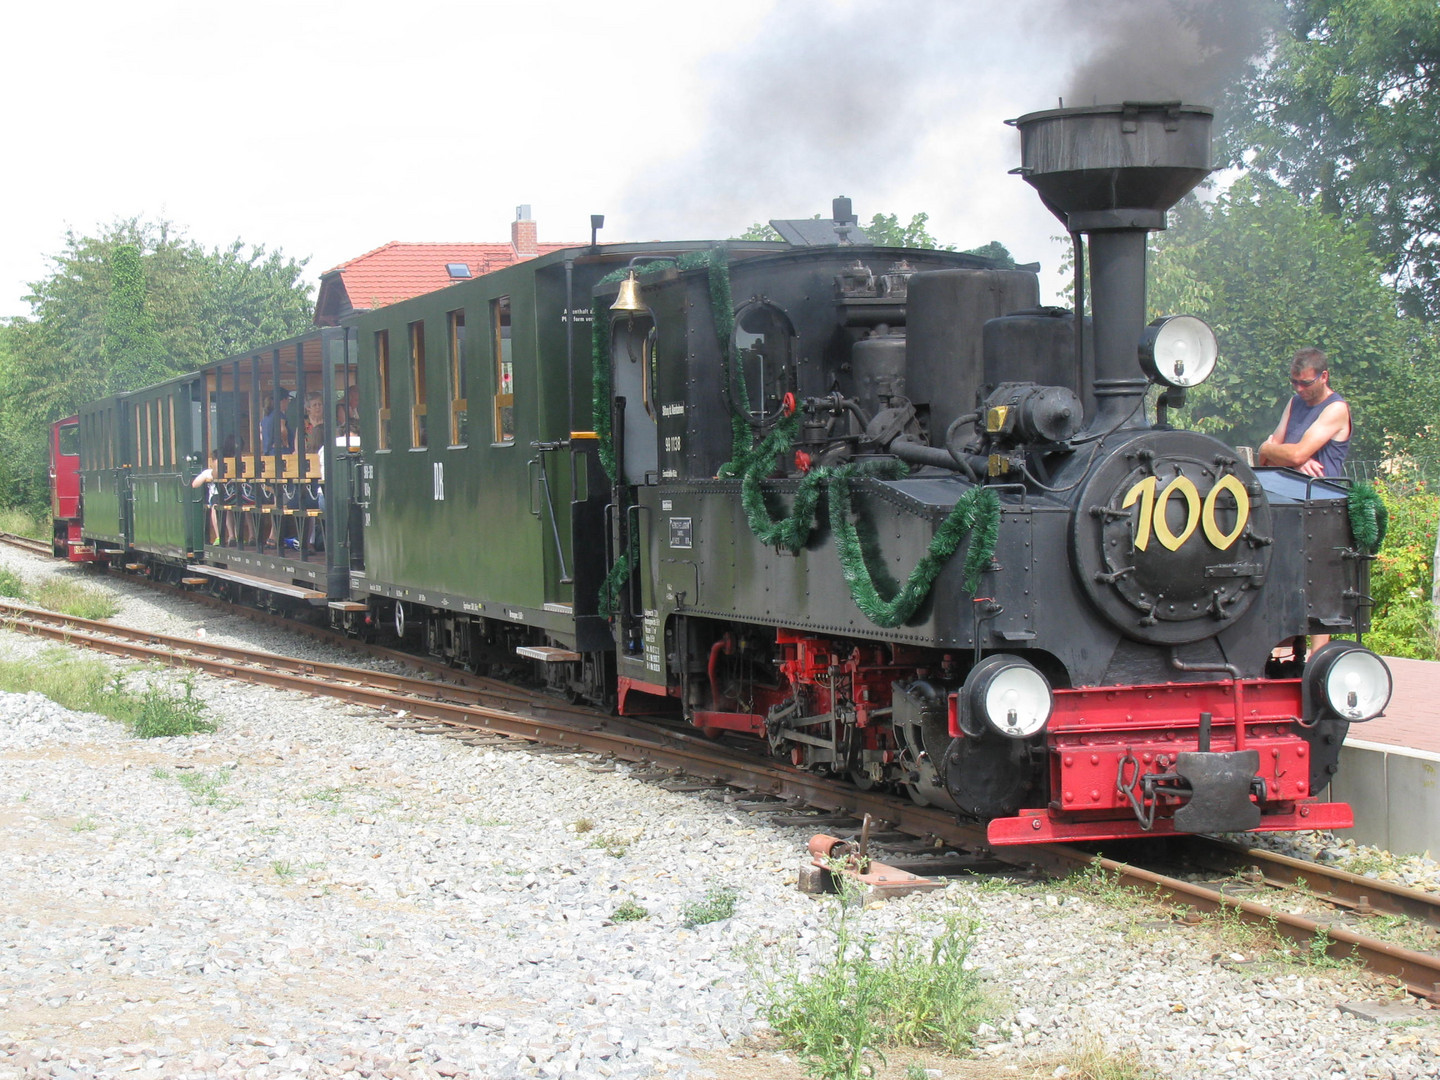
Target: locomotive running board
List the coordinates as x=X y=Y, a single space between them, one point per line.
x=1038 y=827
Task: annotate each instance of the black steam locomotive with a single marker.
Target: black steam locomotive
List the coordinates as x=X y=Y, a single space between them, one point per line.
x=900 y=523
x=871 y=508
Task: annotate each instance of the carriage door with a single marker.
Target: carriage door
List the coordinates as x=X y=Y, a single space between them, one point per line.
x=632 y=357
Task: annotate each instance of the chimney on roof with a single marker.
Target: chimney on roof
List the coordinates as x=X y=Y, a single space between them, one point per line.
x=523 y=236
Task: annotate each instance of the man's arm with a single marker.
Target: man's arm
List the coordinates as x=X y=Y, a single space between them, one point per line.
x=1331 y=422
x=1279 y=433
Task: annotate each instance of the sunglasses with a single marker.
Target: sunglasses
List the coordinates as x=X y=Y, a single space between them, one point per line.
x=1304 y=384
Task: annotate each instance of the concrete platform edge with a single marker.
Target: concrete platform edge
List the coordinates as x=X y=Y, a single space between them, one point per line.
x=1396 y=795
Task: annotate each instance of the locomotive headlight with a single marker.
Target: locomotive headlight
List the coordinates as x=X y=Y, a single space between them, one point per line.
x=1010 y=695
x=1178 y=350
x=1352 y=681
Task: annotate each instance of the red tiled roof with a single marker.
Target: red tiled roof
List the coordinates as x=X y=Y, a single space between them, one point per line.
x=397 y=271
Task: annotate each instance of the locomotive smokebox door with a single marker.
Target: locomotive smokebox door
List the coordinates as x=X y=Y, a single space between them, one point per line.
x=1172 y=540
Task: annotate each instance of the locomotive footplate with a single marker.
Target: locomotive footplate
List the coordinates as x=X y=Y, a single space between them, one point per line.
x=1220 y=788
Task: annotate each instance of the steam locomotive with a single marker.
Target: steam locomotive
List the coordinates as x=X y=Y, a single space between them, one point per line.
x=872 y=509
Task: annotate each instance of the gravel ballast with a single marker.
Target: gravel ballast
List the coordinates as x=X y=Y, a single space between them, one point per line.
x=307 y=892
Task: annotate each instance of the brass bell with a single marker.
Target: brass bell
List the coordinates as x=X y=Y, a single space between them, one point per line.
x=628 y=298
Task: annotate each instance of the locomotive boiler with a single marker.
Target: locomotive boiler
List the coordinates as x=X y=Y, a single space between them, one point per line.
x=886 y=514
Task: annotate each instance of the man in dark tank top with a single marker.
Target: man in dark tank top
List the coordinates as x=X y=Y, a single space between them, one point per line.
x=1313 y=435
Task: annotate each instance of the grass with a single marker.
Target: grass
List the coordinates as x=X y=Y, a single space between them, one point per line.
x=1091 y=1060
x=613 y=843
x=717 y=906
x=206 y=789
x=914 y=992
x=71 y=597
x=88 y=685
x=23 y=523
x=85 y=824
x=62 y=594
x=629 y=911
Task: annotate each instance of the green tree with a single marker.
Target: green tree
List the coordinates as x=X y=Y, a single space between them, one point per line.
x=1343 y=110
x=1272 y=274
x=885 y=230
x=132 y=306
x=760 y=231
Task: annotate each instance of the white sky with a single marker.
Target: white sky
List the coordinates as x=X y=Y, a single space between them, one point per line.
x=329 y=129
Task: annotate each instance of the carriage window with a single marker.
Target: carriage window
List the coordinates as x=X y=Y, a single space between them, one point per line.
x=382 y=364
x=174 y=455
x=70 y=440
x=459 y=415
x=418 y=437
x=504 y=371
x=763 y=342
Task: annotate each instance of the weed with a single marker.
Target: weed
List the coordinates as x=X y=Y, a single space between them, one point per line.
x=25 y=796
x=185 y=831
x=11 y=584
x=915 y=1072
x=159 y=773
x=85 y=824
x=283 y=869
x=365 y=941
x=204 y=790
x=915 y=992
x=613 y=843
x=74 y=598
x=629 y=911
x=1104 y=885
x=156 y=714
x=584 y=825
x=717 y=906
x=325 y=795
x=1092 y=1060
x=485 y=821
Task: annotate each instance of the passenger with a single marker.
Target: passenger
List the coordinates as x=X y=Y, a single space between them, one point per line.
x=1313 y=435
x=314 y=422
x=347 y=435
x=209 y=476
x=275 y=436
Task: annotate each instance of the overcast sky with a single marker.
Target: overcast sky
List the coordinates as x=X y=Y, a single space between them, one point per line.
x=329 y=129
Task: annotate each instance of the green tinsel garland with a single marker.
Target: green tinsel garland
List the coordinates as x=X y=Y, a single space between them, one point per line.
x=976 y=514
x=1368 y=516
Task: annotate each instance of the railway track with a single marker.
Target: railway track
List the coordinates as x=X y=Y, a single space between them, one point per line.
x=26 y=543
x=1255 y=886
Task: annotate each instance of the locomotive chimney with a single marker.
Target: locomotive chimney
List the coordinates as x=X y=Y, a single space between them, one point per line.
x=1111 y=172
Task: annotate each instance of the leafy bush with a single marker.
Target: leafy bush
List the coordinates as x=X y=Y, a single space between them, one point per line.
x=1402 y=575
x=915 y=992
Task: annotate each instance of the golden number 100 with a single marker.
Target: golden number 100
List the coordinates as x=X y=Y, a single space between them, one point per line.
x=1154 y=519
